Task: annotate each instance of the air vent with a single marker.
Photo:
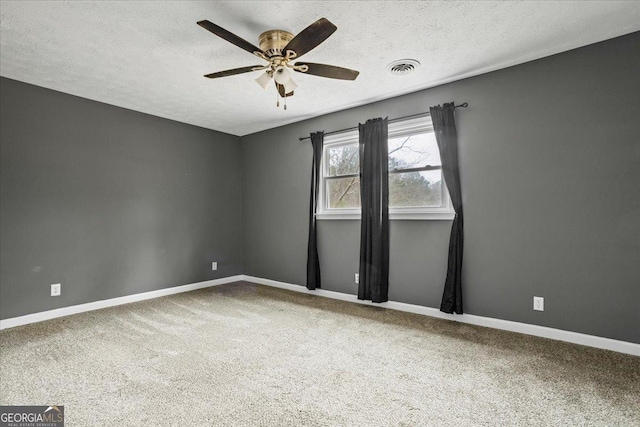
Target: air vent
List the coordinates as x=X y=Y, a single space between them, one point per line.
x=403 y=67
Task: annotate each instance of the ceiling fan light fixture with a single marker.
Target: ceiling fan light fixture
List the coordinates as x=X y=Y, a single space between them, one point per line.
x=282 y=76
x=264 y=80
x=289 y=86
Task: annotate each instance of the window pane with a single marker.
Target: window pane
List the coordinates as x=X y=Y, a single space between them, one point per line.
x=343 y=159
x=413 y=151
x=415 y=189
x=343 y=193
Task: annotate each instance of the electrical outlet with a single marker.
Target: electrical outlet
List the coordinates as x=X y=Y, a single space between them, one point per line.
x=214 y=266
x=357 y=278
x=538 y=303
x=56 y=289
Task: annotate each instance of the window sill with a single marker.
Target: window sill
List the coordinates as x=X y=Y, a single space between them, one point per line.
x=422 y=216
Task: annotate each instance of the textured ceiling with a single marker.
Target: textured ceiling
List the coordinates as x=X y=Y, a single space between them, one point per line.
x=150 y=56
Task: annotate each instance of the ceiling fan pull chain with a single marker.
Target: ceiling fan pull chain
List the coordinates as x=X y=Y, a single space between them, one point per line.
x=285 y=102
x=277 y=99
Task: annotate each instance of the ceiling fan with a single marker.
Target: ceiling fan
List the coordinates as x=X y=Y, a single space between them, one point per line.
x=279 y=48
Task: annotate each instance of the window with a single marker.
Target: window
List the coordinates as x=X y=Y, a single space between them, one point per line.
x=416 y=185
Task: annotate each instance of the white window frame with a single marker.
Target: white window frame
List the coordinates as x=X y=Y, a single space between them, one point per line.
x=396 y=129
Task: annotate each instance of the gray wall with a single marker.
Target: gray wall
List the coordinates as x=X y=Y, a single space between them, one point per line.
x=108 y=201
x=550 y=171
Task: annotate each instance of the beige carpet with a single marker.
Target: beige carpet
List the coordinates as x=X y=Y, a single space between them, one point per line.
x=249 y=355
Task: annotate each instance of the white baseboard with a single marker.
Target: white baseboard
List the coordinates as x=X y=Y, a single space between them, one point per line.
x=507 y=325
x=96 y=305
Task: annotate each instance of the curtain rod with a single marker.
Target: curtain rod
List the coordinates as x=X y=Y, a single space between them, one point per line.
x=464 y=105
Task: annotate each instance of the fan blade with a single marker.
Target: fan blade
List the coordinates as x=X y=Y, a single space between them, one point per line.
x=232 y=72
x=329 y=71
x=310 y=37
x=229 y=36
x=281 y=91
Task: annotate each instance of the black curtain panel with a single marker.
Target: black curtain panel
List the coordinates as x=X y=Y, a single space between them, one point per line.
x=374 y=195
x=313 y=262
x=444 y=125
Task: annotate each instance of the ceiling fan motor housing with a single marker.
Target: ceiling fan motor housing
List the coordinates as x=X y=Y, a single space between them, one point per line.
x=273 y=41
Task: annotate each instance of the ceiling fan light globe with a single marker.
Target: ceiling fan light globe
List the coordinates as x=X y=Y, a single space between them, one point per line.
x=290 y=86
x=281 y=75
x=264 y=80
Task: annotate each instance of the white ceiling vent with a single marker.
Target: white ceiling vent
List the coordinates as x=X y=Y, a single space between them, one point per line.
x=403 y=67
